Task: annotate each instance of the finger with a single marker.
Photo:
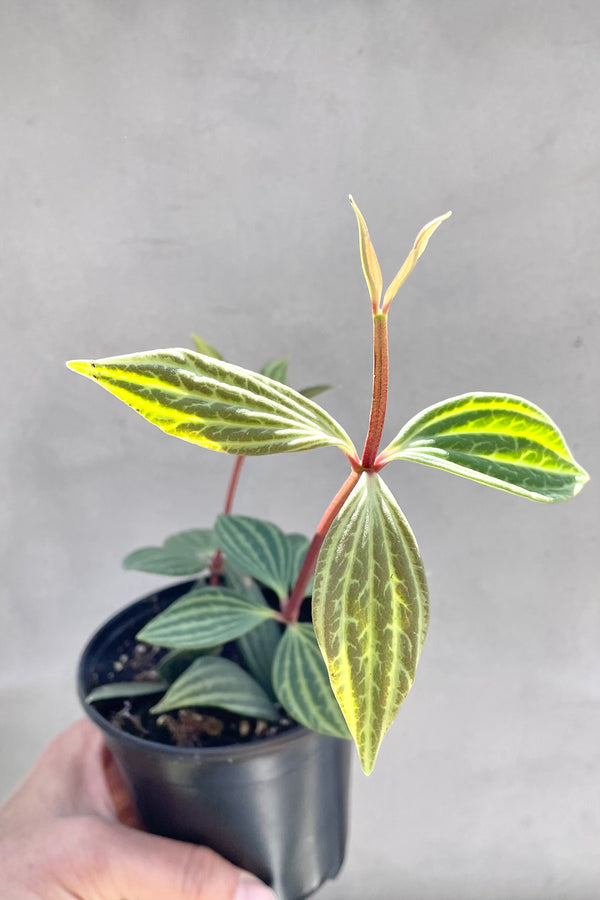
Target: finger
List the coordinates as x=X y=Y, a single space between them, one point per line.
x=121 y=862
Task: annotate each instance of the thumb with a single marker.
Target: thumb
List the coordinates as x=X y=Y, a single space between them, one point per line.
x=130 y=863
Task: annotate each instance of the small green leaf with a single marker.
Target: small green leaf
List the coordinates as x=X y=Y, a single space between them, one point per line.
x=217 y=682
x=202 y=347
x=118 y=690
x=277 y=370
x=186 y=553
x=258 y=646
x=302 y=685
x=212 y=403
x=298 y=546
x=368 y=258
x=259 y=548
x=370 y=611
x=496 y=439
x=315 y=390
x=421 y=241
x=206 y=617
x=258 y=651
x=174 y=663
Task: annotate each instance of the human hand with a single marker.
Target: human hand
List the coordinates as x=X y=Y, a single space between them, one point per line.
x=70 y=832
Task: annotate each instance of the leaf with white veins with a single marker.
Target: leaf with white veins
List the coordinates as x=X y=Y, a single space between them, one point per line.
x=259 y=548
x=257 y=646
x=212 y=403
x=370 y=611
x=218 y=682
x=205 y=617
x=185 y=553
x=301 y=682
x=497 y=439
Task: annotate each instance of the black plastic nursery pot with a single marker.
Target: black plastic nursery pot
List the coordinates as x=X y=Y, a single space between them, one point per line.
x=277 y=807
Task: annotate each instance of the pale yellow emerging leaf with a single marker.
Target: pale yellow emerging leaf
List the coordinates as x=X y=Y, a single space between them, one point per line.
x=411 y=260
x=369 y=259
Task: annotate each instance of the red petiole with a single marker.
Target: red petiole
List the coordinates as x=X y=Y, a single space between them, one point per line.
x=291 y=609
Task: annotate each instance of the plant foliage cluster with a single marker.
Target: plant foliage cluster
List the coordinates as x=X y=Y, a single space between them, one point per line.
x=350 y=669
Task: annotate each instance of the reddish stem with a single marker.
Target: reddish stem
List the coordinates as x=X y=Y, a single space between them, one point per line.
x=237 y=468
x=291 y=609
x=380 y=390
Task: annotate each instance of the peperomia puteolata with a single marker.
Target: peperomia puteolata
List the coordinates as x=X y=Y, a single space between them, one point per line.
x=362 y=567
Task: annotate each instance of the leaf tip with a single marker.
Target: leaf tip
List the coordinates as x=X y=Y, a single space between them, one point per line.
x=580 y=481
x=370 y=263
x=367 y=755
x=410 y=262
x=83 y=366
x=140 y=635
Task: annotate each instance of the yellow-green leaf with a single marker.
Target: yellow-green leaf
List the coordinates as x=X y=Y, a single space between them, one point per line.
x=368 y=258
x=497 y=439
x=410 y=262
x=370 y=611
x=215 y=404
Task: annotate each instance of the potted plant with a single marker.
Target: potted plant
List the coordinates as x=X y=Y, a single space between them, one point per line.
x=241 y=653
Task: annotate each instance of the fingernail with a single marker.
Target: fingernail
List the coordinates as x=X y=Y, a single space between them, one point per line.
x=250 y=888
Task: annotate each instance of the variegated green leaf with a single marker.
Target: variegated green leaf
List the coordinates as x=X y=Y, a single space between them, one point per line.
x=259 y=548
x=258 y=646
x=370 y=611
x=118 y=690
x=302 y=685
x=209 y=402
x=277 y=370
x=496 y=439
x=202 y=347
x=214 y=681
x=206 y=617
x=186 y=553
x=174 y=663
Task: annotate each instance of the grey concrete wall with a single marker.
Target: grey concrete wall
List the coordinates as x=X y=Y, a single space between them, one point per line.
x=184 y=166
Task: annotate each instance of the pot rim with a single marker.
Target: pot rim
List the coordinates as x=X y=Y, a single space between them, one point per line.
x=238 y=751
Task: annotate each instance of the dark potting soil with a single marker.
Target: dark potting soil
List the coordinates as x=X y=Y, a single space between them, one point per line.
x=136 y=661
